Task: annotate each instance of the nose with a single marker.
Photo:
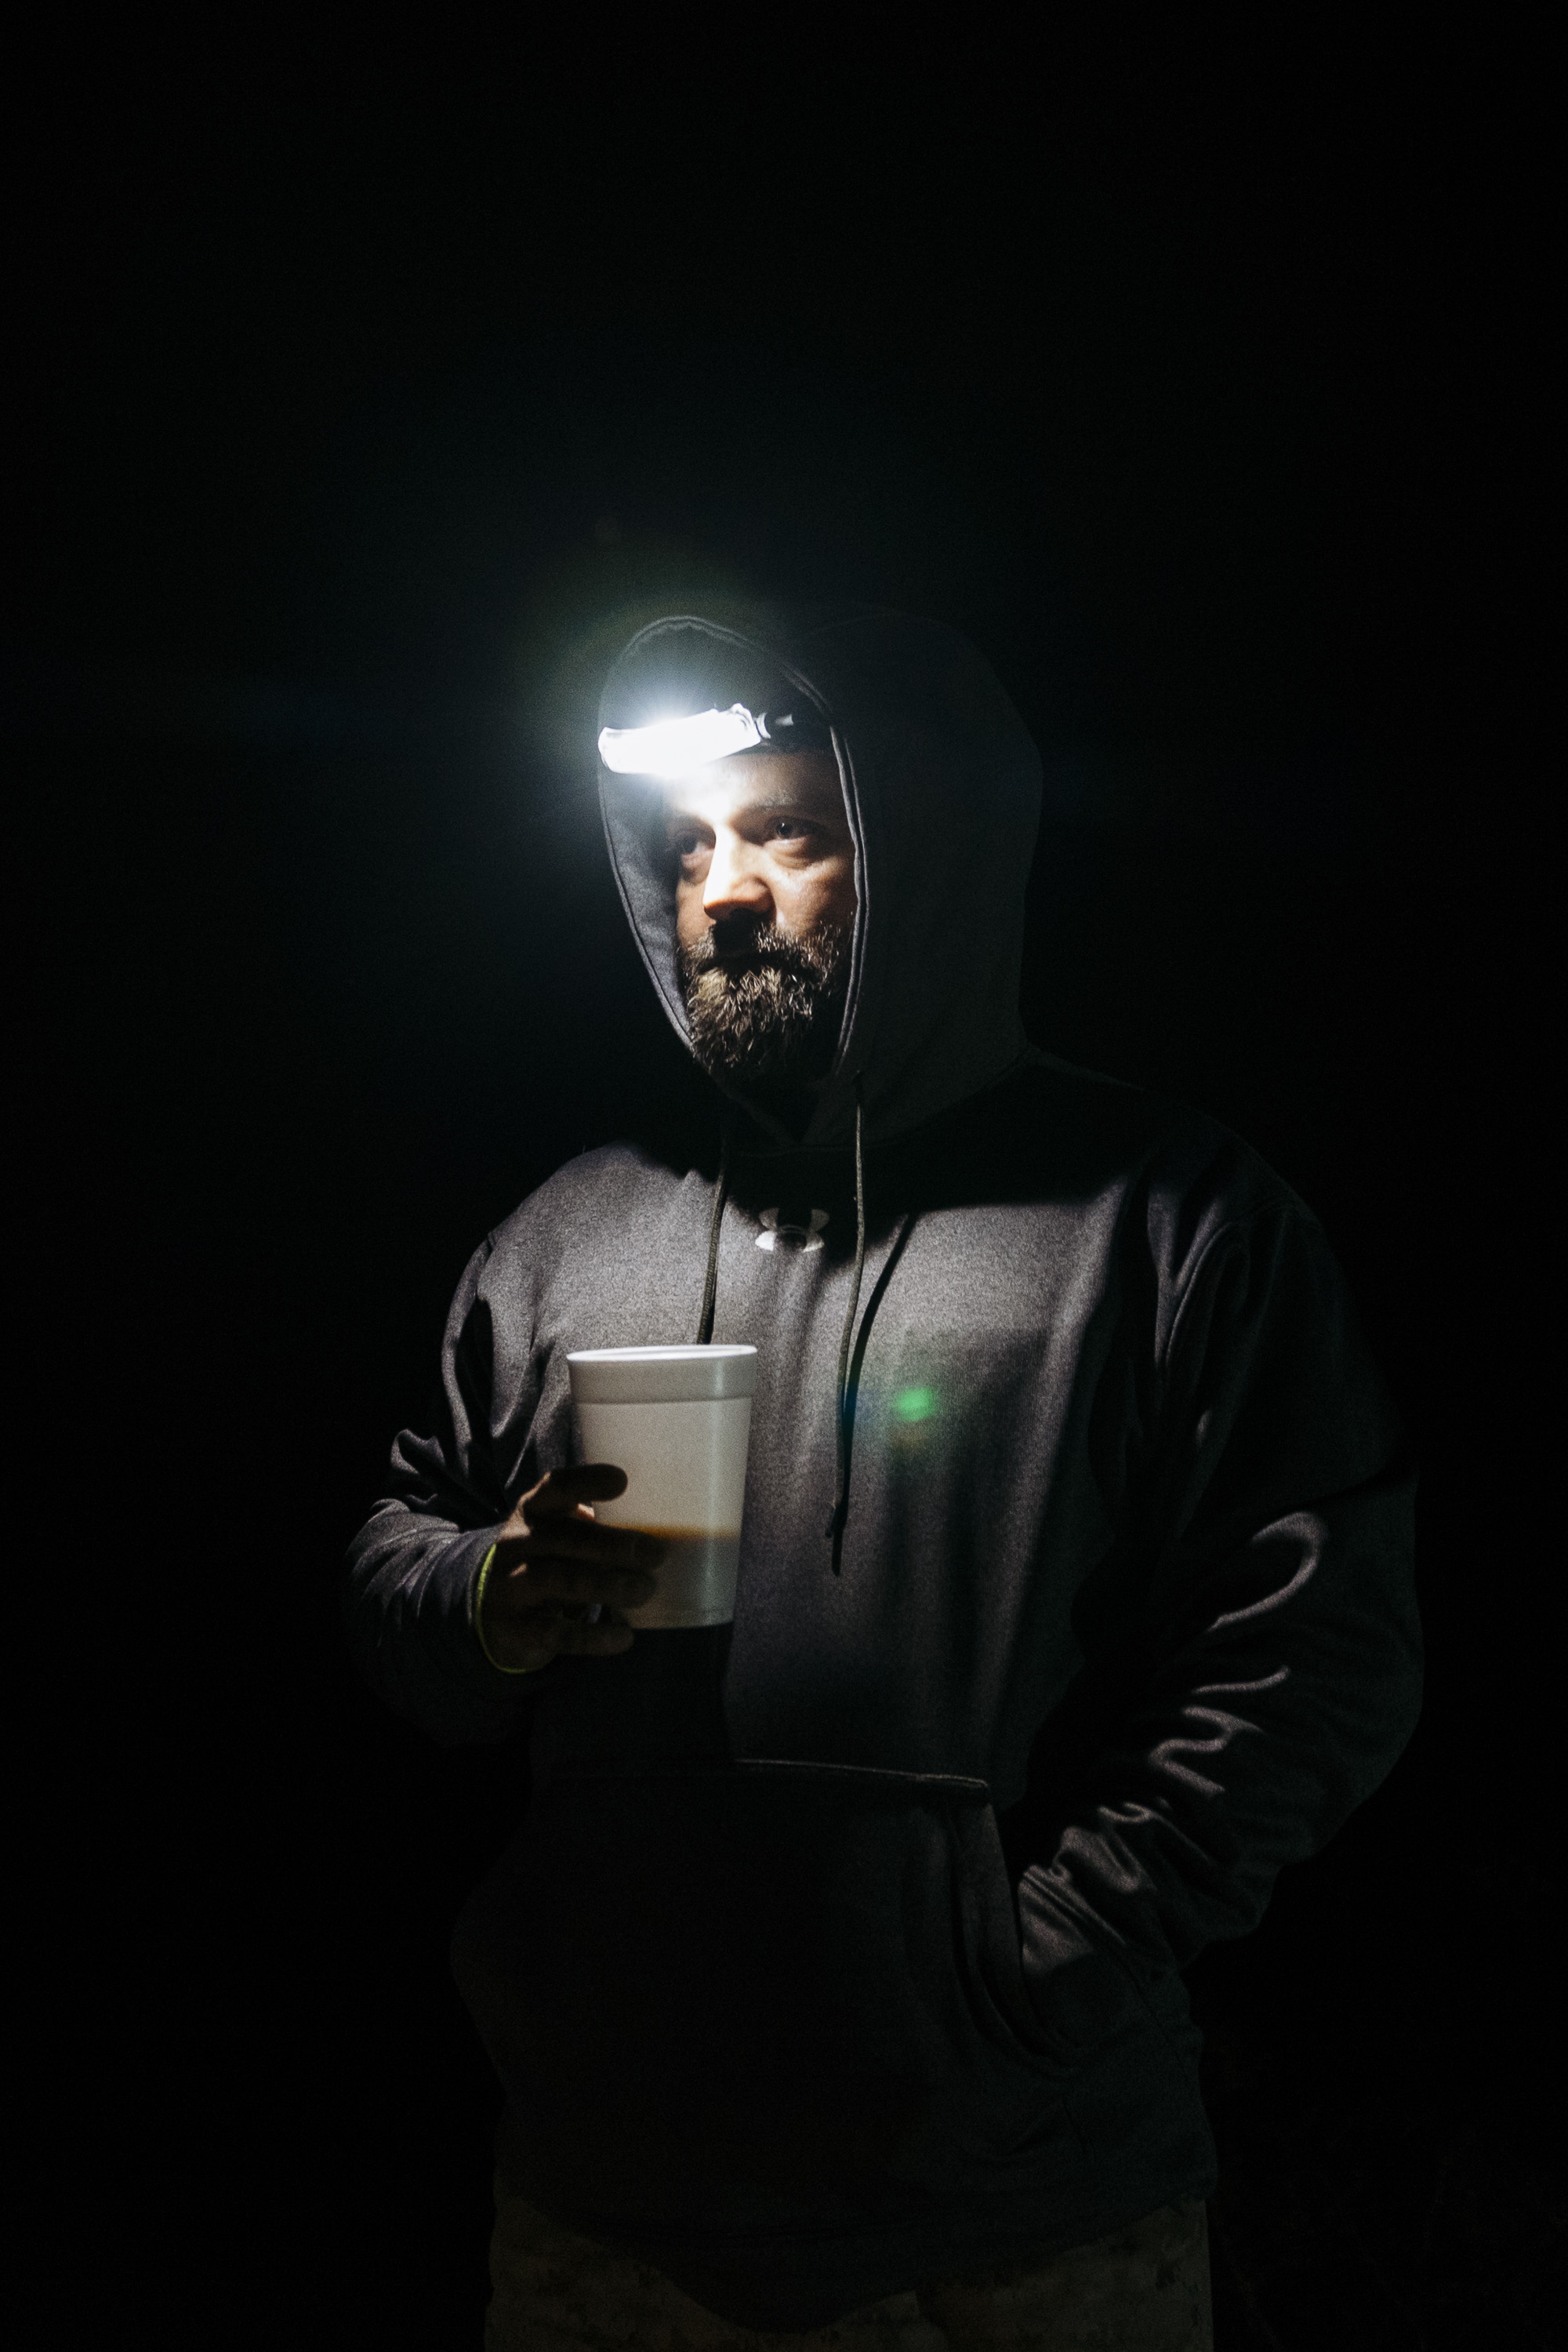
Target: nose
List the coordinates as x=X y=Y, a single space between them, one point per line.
x=733 y=886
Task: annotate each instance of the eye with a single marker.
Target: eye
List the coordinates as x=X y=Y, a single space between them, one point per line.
x=791 y=828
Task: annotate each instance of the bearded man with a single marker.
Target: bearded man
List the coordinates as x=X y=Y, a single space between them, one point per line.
x=834 y=1977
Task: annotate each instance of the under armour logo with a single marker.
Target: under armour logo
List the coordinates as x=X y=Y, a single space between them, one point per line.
x=776 y=1235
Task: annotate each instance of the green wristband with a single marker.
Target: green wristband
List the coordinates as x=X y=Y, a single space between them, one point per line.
x=479 y=1583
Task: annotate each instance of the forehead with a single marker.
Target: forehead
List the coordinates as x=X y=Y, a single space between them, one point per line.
x=751 y=783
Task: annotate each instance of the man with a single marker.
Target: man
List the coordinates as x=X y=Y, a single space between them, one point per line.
x=834 y=1979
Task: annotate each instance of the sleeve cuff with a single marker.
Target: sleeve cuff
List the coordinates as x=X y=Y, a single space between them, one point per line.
x=476 y=1607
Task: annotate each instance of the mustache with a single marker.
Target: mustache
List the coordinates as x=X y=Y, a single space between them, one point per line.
x=752 y=942
x=739 y=942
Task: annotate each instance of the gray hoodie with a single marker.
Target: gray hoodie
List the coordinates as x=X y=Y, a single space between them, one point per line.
x=842 y=1948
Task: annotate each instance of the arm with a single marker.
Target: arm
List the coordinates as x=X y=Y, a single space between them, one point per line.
x=1260 y=1671
x=459 y=1598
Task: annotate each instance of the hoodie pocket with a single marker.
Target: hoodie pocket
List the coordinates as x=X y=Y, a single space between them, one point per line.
x=710 y=1990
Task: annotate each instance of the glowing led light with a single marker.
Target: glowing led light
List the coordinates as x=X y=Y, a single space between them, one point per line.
x=671 y=747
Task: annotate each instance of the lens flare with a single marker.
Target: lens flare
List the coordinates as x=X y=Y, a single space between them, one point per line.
x=914 y=1405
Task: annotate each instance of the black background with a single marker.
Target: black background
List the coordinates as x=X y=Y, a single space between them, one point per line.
x=368 y=400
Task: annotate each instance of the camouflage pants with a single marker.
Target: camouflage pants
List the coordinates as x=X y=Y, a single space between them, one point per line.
x=1142 y=2289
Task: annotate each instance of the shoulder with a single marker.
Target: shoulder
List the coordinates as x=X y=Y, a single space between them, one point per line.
x=1183 y=1176
x=1213 y=1236
x=594 y=1185
x=1050 y=1122
x=616 y=1182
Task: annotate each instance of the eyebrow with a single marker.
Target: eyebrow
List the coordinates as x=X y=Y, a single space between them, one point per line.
x=770 y=804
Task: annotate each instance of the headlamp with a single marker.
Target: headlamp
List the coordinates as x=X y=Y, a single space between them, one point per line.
x=673 y=747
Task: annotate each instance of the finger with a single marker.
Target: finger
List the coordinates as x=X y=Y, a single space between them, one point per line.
x=538 y=1635
x=559 y=1492
x=606 y=1639
x=588 y=1539
x=539 y=1583
x=581 y=1542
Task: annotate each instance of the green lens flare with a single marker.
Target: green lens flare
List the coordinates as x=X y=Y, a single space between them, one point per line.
x=914 y=1405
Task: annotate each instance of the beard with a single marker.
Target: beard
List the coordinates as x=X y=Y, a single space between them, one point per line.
x=765 y=1008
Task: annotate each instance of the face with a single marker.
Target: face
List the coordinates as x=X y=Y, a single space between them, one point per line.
x=765 y=903
x=761 y=836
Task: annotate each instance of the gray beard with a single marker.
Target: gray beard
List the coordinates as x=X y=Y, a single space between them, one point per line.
x=770 y=1025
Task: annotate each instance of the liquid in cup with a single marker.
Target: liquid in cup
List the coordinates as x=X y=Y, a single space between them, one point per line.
x=678 y=1421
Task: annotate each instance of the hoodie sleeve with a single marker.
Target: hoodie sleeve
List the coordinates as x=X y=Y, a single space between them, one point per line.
x=413 y=1566
x=1266 y=1669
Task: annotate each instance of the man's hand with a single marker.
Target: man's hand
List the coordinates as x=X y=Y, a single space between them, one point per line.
x=554 y=1561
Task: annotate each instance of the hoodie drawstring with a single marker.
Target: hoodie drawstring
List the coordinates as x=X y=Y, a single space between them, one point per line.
x=715 y=1224
x=844 y=1402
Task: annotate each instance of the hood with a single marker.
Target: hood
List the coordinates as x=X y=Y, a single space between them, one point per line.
x=941 y=788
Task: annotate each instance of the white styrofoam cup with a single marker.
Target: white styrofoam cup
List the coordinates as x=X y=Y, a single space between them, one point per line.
x=678 y=1421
